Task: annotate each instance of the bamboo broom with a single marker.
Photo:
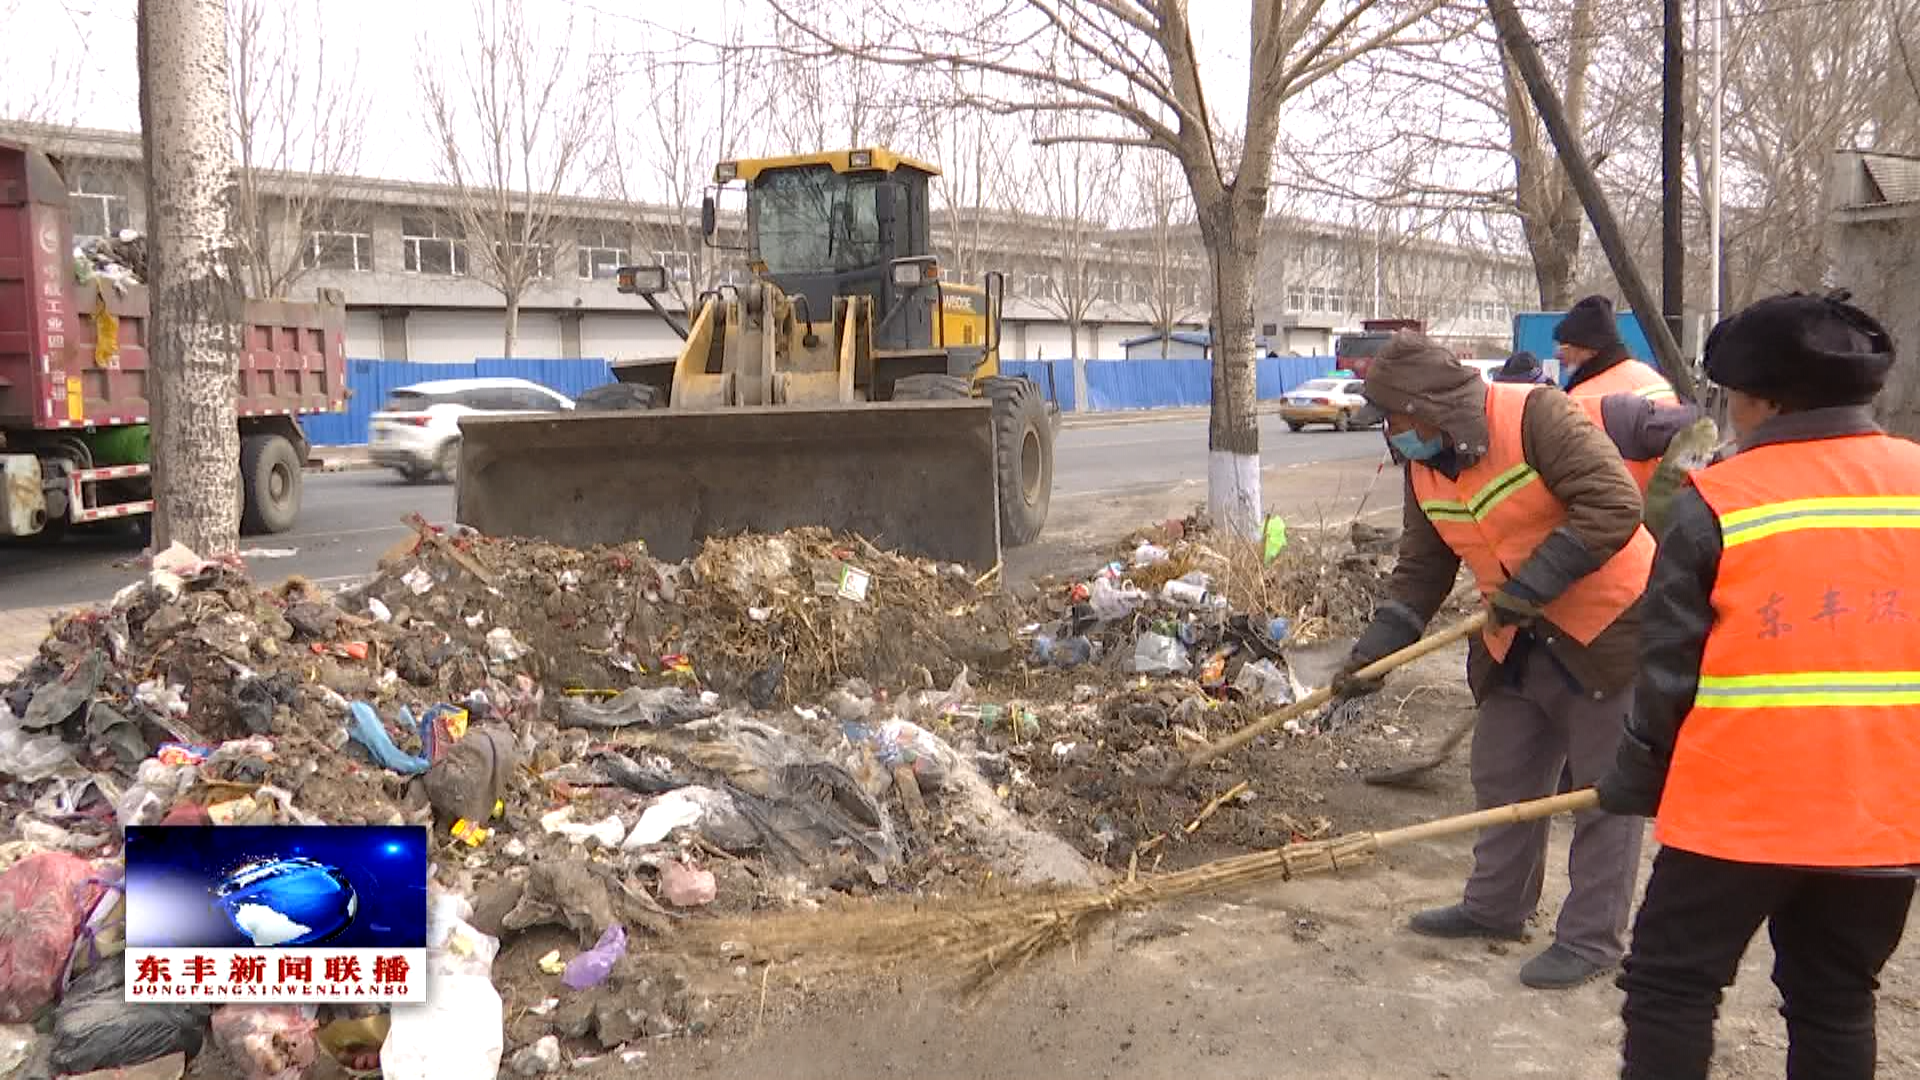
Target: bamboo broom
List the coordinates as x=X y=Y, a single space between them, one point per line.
x=983 y=940
x=1378 y=669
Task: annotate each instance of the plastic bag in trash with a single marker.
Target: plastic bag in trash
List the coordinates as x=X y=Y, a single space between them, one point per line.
x=1110 y=600
x=663 y=707
x=268 y=1042
x=591 y=968
x=903 y=742
x=1262 y=680
x=95 y=1027
x=44 y=899
x=459 y=1031
x=456 y=1034
x=1158 y=654
x=371 y=733
x=30 y=758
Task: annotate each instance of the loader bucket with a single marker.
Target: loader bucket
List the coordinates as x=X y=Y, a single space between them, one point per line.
x=914 y=476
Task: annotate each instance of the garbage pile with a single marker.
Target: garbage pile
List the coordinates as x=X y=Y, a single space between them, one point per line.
x=604 y=746
x=119 y=260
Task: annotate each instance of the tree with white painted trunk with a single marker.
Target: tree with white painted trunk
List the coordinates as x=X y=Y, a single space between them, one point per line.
x=512 y=128
x=299 y=121
x=193 y=343
x=1129 y=73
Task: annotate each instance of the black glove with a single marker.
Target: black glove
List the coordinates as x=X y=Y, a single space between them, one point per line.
x=1513 y=606
x=1394 y=627
x=1632 y=787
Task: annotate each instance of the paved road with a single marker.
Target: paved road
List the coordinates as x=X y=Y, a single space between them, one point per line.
x=350 y=518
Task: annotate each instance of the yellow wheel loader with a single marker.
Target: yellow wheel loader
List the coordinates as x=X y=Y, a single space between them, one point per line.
x=848 y=385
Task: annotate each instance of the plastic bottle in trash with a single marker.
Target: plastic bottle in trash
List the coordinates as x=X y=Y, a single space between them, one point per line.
x=1190 y=594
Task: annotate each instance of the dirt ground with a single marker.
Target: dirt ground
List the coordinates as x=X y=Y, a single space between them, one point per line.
x=1315 y=977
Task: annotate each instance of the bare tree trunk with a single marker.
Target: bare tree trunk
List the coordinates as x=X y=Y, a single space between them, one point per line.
x=194 y=340
x=513 y=326
x=1232 y=230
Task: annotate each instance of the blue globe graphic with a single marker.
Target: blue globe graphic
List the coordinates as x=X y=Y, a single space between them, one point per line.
x=291 y=902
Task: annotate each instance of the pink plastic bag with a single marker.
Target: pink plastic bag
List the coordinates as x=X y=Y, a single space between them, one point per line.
x=268 y=1042
x=43 y=901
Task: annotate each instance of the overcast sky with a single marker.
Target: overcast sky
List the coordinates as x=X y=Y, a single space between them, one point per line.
x=91 y=42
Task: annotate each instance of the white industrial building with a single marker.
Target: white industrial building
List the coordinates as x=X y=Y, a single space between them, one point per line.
x=388 y=247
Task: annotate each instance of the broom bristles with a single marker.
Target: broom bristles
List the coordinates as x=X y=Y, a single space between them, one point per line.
x=984 y=939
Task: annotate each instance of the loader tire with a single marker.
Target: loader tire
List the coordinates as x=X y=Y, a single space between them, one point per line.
x=932 y=388
x=1023 y=457
x=270 y=475
x=618 y=397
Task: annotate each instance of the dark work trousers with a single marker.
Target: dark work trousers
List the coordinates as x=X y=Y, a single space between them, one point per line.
x=1831 y=935
x=1534 y=727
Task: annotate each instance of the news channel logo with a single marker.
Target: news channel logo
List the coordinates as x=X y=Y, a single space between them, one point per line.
x=276 y=913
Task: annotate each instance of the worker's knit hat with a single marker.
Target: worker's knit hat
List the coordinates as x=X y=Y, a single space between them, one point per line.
x=1801 y=352
x=1589 y=325
x=1521 y=367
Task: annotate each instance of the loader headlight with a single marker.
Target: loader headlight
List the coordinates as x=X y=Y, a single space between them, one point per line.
x=860 y=159
x=726 y=172
x=915 y=272
x=641 y=280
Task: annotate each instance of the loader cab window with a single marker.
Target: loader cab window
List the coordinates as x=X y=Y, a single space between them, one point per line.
x=813 y=220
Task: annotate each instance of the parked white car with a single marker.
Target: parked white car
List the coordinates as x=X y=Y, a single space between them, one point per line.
x=417 y=433
x=1334 y=401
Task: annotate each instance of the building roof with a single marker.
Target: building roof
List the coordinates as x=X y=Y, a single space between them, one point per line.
x=1184 y=337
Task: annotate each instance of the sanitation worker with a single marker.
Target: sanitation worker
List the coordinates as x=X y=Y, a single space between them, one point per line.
x=1517 y=482
x=1776 y=730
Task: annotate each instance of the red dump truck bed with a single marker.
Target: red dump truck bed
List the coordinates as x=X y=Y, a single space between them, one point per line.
x=53 y=375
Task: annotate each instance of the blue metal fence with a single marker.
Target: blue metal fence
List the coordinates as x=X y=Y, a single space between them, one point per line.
x=1160 y=384
x=1111 y=384
x=371 y=381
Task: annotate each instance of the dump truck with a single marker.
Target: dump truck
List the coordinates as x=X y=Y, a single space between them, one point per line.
x=849 y=384
x=74 y=437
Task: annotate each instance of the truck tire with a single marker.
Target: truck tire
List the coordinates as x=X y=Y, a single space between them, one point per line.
x=270 y=477
x=1023 y=457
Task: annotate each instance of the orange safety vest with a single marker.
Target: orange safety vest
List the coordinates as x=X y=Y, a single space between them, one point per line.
x=1803 y=744
x=1629 y=376
x=1499 y=511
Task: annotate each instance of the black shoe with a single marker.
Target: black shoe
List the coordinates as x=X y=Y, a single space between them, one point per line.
x=1454 y=922
x=1558 y=968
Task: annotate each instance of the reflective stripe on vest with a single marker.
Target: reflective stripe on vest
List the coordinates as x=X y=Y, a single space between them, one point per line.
x=1499 y=510
x=1803 y=743
x=1629 y=376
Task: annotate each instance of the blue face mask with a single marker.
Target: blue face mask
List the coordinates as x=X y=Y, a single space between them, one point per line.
x=1414 y=448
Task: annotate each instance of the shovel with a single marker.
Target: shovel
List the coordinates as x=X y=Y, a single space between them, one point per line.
x=1378 y=669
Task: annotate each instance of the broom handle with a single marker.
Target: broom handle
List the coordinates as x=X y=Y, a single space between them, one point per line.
x=1325 y=694
x=1510 y=814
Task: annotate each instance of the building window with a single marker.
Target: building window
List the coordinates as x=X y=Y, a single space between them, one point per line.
x=601 y=255
x=1296 y=299
x=1317 y=300
x=99 y=203
x=336 y=245
x=1335 y=302
x=538 y=257
x=432 y=246
x=679 y=264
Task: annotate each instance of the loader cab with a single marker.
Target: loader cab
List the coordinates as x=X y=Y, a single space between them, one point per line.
x=841 y=224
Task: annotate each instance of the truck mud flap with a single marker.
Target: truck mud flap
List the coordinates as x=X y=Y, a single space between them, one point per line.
x=913 y=476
